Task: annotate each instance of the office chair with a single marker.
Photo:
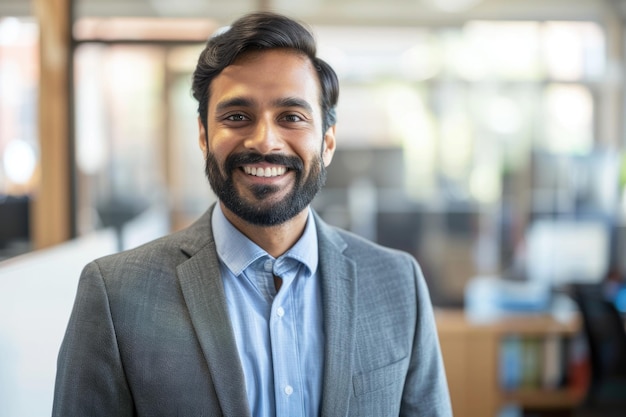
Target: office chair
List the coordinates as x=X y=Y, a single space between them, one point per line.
x=606 y=336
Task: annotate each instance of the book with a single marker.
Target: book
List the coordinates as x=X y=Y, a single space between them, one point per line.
x=531 y=362
x=553 y=362
x=510 y=365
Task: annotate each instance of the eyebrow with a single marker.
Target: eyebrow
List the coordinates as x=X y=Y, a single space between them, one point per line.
x=233 y=102
x=293 y=102
x=281 y=102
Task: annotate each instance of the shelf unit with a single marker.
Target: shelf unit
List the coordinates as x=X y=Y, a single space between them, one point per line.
x=471 y=356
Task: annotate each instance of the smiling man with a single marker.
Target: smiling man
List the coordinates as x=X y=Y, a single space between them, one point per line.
x=259 y=308
x=265 y=144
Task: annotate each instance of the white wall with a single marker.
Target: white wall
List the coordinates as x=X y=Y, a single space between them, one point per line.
x=36 y=297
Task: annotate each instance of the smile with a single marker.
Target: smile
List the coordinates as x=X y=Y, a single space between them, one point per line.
x=265 y=171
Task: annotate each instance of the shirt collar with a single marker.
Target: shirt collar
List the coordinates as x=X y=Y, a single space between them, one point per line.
x=237 y=252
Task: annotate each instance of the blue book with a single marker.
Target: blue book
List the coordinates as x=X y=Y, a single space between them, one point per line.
x=510 y=368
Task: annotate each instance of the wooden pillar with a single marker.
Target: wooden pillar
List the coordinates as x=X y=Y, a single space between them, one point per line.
x=264 y=5
x=51 y=210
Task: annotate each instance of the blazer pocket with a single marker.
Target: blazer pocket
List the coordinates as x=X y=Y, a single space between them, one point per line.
x=379 y=378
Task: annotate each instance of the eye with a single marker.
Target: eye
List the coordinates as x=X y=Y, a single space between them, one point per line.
x=236 y=117
x=293 y=118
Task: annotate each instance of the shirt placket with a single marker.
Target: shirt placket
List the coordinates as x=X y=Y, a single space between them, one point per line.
x=288 y=386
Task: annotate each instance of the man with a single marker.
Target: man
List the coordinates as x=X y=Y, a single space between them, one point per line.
x=259 y=308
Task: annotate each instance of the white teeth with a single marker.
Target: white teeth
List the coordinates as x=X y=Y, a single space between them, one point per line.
x=265 y=172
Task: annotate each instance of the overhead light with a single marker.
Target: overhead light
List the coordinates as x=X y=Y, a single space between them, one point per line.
x=20 y=161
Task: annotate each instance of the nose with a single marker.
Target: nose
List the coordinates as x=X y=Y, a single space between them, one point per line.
x=265 y=138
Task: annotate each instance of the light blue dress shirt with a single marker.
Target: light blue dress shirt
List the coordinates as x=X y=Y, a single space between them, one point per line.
x=280 y=336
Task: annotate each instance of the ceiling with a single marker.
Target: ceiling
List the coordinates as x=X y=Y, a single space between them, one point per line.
x=348 y=12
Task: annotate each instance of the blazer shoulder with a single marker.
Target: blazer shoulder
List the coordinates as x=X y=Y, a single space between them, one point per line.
x=360 y=246
x=365 y=252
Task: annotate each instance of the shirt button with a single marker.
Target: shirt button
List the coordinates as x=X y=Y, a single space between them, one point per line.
x=288 y=390
x=280 y=311
x=268 y=266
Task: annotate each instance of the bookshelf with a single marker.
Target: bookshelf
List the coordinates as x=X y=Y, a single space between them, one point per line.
x=474 y=366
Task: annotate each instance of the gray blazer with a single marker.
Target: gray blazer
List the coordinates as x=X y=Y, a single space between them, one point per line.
x=150 y=335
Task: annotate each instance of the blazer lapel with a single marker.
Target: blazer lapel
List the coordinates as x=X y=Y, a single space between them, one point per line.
x=338 y=275
x=203 y=292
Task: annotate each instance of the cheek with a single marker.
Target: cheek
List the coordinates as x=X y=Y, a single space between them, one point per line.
x=314 y=160
x=308 y=153
x=219 y=145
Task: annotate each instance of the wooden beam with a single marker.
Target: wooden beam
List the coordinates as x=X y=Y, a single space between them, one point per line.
x=51 y=211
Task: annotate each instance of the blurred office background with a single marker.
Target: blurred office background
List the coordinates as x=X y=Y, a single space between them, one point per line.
x=485 y=137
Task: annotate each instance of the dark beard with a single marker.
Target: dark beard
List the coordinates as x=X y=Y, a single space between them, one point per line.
x=257 y=212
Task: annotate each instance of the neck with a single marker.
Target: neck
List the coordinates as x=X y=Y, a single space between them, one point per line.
x=275 y=240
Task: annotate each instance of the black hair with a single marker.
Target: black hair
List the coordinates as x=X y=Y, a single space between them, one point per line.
x=258 y=31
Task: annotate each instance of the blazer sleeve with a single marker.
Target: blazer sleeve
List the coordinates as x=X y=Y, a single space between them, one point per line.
x=90 y=378
x=426 y=388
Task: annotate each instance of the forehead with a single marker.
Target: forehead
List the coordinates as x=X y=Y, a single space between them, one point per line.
x=267 y=74
x=253 y=57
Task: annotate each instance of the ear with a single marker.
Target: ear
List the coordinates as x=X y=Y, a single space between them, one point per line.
x=202 y=137
x=329 y=144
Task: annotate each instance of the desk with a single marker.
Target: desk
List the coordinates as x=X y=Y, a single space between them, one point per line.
x=471 y=355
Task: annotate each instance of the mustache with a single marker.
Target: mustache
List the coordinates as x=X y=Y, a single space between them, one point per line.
x=235 y=161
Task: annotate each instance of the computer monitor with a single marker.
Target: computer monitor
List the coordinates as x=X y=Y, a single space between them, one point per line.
x=561 y=252
x=14 y=219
